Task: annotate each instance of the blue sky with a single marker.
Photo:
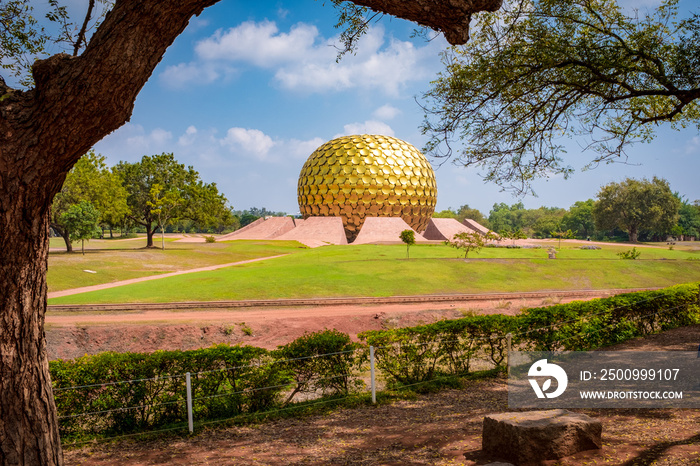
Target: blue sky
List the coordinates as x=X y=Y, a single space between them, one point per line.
x=250 y=89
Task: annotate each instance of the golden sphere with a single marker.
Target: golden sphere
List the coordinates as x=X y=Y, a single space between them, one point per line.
x=360 y=176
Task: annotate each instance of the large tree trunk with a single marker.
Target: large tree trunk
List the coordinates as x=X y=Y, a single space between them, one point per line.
x=150 y=231
x=43 y=132
x=632 y=232
x=28 y=425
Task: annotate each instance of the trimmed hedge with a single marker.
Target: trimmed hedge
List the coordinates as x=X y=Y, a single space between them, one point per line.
x=226 y=381
x=232 y=380
x=418 y=354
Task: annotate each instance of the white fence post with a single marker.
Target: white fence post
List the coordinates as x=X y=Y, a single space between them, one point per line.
x=509 y=340
x=190 y=418
x=371 y=375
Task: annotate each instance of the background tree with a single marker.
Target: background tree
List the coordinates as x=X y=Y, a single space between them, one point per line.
x=512 y=235
x=542 y=70
x=466 y=212
x=688 y=219
x=43 y=133
x=248 y=216
x=504 y=217
x=540 y=222
x=208 y=209
x=159 y=190
x=636 y=205
x=409 y=238
x=164 y=203
x=81 y=220
x=579 y=219
x=447 y=213
x=90 y=180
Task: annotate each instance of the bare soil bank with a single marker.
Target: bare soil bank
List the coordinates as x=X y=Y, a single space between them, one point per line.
x=74 y=334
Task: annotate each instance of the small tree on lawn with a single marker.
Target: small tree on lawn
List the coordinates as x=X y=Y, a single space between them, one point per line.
x=513 y=235
x=81 y=220
x=470 y=241
x=561 y=234
x=408 y=237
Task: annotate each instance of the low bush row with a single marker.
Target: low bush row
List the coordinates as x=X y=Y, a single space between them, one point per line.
x=418 y=354
x=231 y=380
x=226 y=381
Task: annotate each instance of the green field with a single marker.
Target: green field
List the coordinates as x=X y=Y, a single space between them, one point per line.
x=115 y=260
x=366 y=270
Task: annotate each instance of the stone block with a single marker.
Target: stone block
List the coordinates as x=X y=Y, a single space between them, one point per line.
x=534 y=436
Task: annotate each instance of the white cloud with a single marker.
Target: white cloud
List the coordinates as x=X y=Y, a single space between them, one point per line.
x=282 y=13
x=692 y=146
x=302 y=149
x=368 y=127
x=196 y=24
x=386 y=112
x=184 y=74
x=248 y=141
x=375 y=65
x=131 y=142
x=140 y=142
x=303 y=60
x=258 y=43
x=189 y=137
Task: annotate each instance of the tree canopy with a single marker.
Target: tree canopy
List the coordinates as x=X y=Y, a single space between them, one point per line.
x=92 y=181
x=579 y=218
x=81 y=220
x=470 y=241
x=637 y=205
x=408 y=237
x=160 y=190
x=689 y=218
x=542 y=71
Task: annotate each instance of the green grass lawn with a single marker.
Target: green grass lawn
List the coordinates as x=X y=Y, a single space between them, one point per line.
x=125 y=259
x=371 y=270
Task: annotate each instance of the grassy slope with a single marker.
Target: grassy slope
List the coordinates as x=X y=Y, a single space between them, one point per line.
x=371 y=270
x=122 y=260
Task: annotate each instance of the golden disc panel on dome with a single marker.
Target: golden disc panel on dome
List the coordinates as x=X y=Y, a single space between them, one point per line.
x=353 y=177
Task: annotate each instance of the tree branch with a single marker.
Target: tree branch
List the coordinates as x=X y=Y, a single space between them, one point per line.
x=81 y=34
x=451 y=18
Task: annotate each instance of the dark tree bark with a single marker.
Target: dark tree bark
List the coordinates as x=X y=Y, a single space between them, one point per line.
x=633 y=233
x=150 y=231
x=449 y=17
x=150 y=227
x=43 y=132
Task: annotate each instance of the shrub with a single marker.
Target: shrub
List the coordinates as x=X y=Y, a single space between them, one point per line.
x=326 y=361
x=209 y=239
x=225 y=382
x=632 y=254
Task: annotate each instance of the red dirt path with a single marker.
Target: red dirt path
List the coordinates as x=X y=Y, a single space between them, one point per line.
x=72 y=334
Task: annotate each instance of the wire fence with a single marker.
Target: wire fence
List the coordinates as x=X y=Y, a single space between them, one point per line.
x=194 y=404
